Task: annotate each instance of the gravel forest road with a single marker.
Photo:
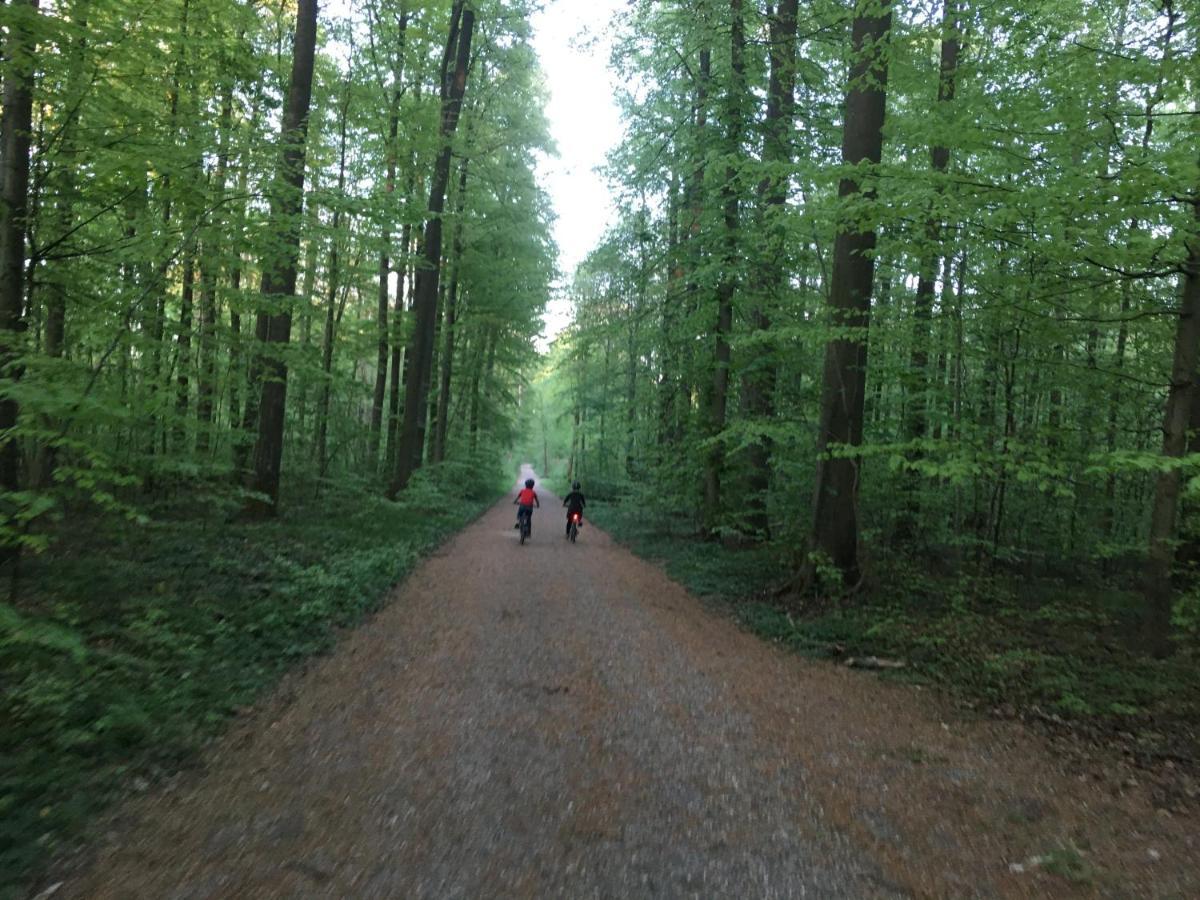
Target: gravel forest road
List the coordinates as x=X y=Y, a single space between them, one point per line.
x=561 y=720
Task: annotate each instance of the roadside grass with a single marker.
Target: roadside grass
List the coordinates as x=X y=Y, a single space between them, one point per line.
x=1059 y=652
x=128 y=646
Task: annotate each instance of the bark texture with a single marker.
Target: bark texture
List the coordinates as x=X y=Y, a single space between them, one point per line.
x=734 y=123
x=420 y=348
x=385 y=266
x=835 y=501
x=1181 y=398
x=14 y=226
x=917 y=411
x=758 y=383
x=442 y=418
x=279 y=270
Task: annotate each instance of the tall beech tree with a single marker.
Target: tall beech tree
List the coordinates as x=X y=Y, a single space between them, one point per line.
x=16 y=123
x=835 y=532
x=333 y=277
x=63 y=197
x=453 y=80
x=395 y=93
x=917 y=411
x=279 y=268
x=442 y=415
x=1183 y=397
x=1032 y=229
x=734 y=126
x=770 y=270
x=179 y=182
x=1014 y=249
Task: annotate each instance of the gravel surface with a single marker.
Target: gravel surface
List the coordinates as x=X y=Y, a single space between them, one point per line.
x=565 y=721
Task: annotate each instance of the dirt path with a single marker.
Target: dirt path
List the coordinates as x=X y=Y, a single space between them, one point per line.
x=557 y=720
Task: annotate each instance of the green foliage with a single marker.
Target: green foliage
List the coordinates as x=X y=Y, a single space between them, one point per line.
x=1187 y=613
x=1013 y=410
x=135 y=381
x=129 y=649
x=1070 y=863
x=1052 y=647
x=669 y=539
x=145 y=610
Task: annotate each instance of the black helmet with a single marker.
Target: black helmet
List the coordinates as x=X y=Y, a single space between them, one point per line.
x=574 y=485
x=528 y=482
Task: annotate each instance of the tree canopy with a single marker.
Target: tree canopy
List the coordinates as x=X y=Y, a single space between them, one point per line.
x=902 y=276
x=180 y=277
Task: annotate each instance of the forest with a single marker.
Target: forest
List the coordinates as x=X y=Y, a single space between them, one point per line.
x=903 y=280
x=265 y=267
x=892 y=349
x=895 y=338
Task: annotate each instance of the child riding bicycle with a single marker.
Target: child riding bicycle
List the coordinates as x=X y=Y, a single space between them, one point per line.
x=526 y=500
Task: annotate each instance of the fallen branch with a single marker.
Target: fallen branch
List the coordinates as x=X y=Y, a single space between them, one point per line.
x=874 y=662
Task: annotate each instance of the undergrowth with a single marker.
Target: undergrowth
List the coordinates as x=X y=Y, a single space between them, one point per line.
x=125 y=648
x=1062 y=652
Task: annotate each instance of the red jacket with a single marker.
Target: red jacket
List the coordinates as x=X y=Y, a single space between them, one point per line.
x=527 y=497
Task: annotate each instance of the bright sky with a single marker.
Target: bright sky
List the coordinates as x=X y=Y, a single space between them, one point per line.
x=570 y=37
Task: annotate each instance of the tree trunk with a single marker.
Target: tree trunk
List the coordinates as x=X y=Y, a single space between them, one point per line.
x=333 y=278
x=308 y=286
x=573 y=459
x=397 y=338
x=917 y=412
x=158 y=321
x=637 y=307
x=835 y=502
x=132 y=282
x=210 y=266
x=1187 y=554
x=456 y=251
x=279 y=269
x=1176 y=418
x=385 y=268
x=327 y=375
x=735 y=100
x=604 y=380
x=426 y=425
x=235 y=364
x=1108 y=521
x=483 y=377
x=242 y=420
x=206 y=382
x=1000 y=492
x=16 y=122
x=479 y=348
x=693 y=243
x=758 y=384
x=669 y=375
x=183 y=340
x=65 y=193
x=458 y=49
